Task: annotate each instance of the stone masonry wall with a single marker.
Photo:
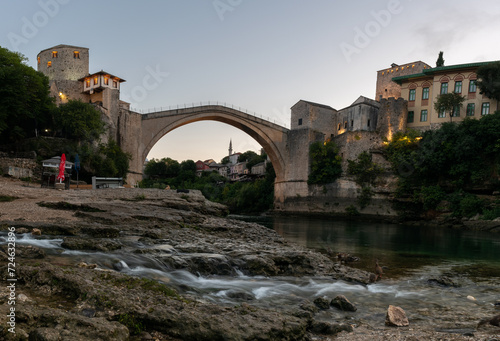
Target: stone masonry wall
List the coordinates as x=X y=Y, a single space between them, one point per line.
x=20 y=168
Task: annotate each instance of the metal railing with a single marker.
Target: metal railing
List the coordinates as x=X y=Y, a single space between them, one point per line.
x=196 y=104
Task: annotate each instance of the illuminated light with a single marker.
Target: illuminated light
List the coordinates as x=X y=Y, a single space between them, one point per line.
x=392 y=71
x=413 y=66
x=418 y=138
x=382 y=73
x=60 y=94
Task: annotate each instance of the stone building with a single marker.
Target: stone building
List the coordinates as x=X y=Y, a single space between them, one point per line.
x=386 y=88
x=67 y=68
x=422 y=89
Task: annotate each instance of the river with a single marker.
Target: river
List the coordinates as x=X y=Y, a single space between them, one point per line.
x=412 y=257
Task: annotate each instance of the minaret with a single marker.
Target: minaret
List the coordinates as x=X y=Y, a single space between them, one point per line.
x=230 y=147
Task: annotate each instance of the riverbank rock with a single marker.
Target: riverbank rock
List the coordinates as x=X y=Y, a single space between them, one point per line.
x=325 y=328
x=396 y=317
x=342 y=303
x=322 y=303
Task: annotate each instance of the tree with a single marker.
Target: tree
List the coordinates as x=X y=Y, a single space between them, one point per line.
x=489 y=80
x=246 y=156
x=451 y=103
x=225 y=160
x=79 y=121
x=325 y=163
x=440 y=60
x=25 y=104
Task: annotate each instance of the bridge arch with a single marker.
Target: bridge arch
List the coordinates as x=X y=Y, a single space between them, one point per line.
x=270 y=136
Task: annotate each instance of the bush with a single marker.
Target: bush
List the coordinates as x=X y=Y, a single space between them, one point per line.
x=325 y=163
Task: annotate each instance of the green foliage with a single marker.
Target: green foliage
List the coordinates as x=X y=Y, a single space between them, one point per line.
x=364 y=170
x=352 y=211
x=465 y=204
x=164 y=168
x=449 y=102
x=79 y=121
x=134 y=326
x=430 y=196
x=240 y=197
x=7 y=198
x=365 y=173
x=440 y=60
x=225 y=160
x=25 y=105
x=490 y=214
x=325 y=163
x=456 y=157
x=489 y=80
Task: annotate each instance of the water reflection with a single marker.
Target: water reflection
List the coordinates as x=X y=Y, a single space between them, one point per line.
x=398 y=247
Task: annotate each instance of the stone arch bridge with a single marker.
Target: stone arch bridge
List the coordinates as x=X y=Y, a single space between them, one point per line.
x=138 y=133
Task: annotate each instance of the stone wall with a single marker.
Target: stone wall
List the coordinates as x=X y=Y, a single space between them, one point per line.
x=386 y=88
x=393 y=117
x=19 y=167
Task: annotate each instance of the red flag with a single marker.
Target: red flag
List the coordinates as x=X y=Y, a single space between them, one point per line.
x=60 y=177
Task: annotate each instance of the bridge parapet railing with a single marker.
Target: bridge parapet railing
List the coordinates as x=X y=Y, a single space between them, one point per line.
x=200 y=104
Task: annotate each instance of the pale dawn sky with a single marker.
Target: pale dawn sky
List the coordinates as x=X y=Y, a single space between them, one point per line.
x=261 y=55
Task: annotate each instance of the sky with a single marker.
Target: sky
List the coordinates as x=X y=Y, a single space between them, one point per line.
x=261 y=55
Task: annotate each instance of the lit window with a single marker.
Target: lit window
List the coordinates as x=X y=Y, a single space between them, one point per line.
x=49 y=64
x=96 y=80
x=425 y=93
x=423 y=116
x=444 y=88
x=115 y=84
x=458 y=87
x=411 y=116
x=485 y=108
x=106 y=80
x=38 y=59
x=300 y=121
x=441 y=114
x=87 y=81
x=412 y=94
x=471 y=107
x=54 y=54
x=76 y=54
x=472 y=86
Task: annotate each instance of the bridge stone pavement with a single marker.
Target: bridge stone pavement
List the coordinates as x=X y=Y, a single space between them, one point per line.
x=138 y=133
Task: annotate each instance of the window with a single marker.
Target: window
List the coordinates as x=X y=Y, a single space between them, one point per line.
x=300 y=121
x=411 y=116
x=368 y=124
x=106 y=80
x=345 y=125
x=54 y=54
x=87 y=81
x=423 y=116
x=456 y=111
x=444 y=88
x=339 y=126
x=76 y=54
x=96 y=80
x=458 y=87
x=425 y=93
x=38 y=60
x=471 y=107
x=49 y=64
x=485 y=109
x=115 y=84
x=352 y=123
x=472 y=86
x=412 y=95
x=441 y=114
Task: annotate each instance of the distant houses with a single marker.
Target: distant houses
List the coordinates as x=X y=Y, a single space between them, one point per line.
x=232 y=170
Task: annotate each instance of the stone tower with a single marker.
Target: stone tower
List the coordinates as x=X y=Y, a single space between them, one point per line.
x=65 y=65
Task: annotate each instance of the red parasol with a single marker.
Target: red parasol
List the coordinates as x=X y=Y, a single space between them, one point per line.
x=60 y=177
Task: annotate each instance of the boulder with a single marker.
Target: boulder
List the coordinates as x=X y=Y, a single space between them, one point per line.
x=322 y=303
x=342 y=303
x=325 y=328
x=396 y=317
